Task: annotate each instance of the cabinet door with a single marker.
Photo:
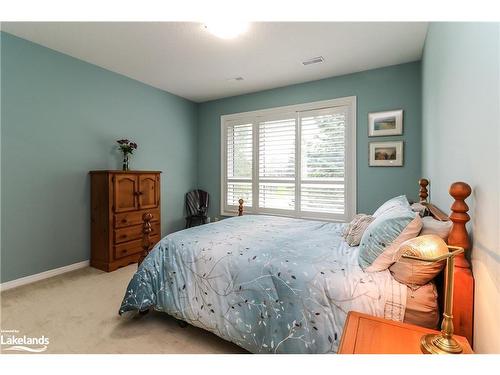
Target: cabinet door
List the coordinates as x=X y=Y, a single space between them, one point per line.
x=148 y=190
x=125 y=192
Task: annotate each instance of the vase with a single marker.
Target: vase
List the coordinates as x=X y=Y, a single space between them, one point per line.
x=125 y=162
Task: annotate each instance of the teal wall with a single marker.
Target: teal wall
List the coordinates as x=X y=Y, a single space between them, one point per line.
x=376 y=90
x=60 y=118
x=461 y=142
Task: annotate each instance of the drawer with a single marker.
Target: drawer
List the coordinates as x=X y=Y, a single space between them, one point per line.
x=135 y=232
x=132 y=247
x=134 y=218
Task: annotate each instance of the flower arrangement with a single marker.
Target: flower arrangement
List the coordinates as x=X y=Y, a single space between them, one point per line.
x=127 y=148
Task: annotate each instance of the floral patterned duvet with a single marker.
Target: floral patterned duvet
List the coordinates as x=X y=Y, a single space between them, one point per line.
x=268 y=284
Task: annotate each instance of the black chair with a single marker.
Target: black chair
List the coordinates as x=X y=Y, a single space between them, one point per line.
x=196 y=207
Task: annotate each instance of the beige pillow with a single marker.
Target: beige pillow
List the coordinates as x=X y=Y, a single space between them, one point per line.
x=355 y=229
x=422 y=306
x=350 y=224
x=388 y=256
x=416 y=272
x=433 y=226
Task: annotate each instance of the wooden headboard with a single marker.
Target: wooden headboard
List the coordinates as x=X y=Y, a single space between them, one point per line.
x=463 y=294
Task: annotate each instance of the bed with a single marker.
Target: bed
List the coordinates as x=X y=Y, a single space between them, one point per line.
x=273 y=284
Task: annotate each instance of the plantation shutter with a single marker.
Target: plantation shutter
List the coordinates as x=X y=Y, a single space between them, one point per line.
x=239 y=146
x=323 y=153
x=276 y=173
x=298 y=161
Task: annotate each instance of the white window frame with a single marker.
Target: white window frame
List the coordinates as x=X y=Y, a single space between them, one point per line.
x=253 y=118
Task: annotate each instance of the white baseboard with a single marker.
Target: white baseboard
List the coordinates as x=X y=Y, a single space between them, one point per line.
x=42 y=275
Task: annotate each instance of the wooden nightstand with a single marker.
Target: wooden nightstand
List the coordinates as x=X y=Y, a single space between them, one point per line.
x=366 y=334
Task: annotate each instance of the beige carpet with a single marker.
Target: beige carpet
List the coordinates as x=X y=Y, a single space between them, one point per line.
x=77 y=311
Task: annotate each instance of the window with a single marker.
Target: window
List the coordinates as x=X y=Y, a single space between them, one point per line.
x=239 y=163
x=293 y=161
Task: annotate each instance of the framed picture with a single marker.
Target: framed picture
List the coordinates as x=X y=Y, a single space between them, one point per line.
x=386 y=154
x=385 y=123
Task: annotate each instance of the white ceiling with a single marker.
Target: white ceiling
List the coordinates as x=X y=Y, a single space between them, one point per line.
x=184 y=59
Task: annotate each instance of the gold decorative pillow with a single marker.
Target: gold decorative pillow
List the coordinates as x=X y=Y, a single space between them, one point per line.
x=417 y=272
x=355 y=229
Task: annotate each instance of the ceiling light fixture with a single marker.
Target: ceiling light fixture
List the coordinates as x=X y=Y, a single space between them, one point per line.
x=226 y=29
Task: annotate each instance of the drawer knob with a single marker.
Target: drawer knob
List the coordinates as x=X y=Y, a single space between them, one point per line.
x=123 y=236
x=124 y=220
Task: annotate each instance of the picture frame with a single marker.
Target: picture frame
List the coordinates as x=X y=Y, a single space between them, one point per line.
x=386 y=154
x=385 y=123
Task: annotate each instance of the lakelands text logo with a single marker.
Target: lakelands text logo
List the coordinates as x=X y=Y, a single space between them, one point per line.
x=11 y=340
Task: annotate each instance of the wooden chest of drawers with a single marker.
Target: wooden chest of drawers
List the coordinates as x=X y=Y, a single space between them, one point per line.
x=119 y=199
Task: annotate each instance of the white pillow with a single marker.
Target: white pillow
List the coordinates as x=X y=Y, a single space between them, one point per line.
x=419 y=207
x=433 y=226
x=396 y=202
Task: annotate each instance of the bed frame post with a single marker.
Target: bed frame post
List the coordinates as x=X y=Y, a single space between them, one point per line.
x=463 y=297
x=146 y=230
x=240 y=208
x=423 y=192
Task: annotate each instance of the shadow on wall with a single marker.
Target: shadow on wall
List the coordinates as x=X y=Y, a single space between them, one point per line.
x=482 y=253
